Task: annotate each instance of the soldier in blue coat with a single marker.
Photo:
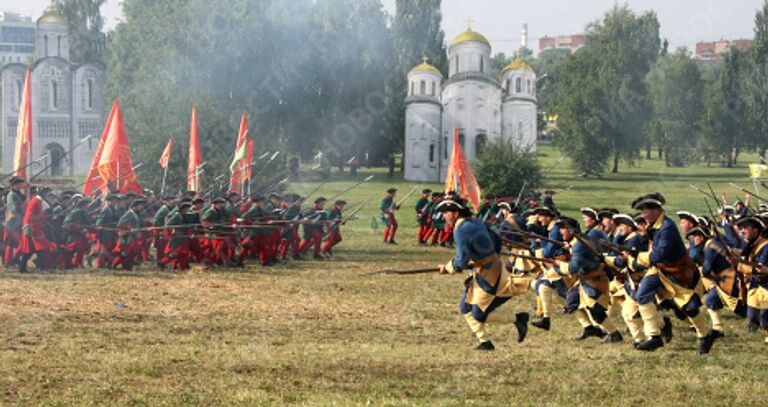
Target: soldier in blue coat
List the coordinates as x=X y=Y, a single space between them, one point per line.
x=671 y=274
x=489 y=285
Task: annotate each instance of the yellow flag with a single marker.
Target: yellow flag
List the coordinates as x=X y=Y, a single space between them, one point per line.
x=757 y=170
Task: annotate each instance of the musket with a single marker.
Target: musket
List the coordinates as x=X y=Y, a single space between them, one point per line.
x=520 y=193
x=31 y=163
x=747 y=191
x=532 y=236
x=335 y=223
x=272 y=158
x=368 y=178
x=518 y=245
x=65 y=154
x=697 y=189
x=294 y=203
x=549 y=170
x=408 y=195
x=403 y=272
x=134 y=168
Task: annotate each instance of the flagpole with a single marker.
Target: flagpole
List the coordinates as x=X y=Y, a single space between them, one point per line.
x=165 y=174
x=117 y=179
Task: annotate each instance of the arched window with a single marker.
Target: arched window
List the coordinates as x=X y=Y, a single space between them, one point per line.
x=508 y=85
x=518 y=85
x=480 y=141
x=423 y=88
x=55 y=158
x=461 y=140
x=58 y=46
x=45 y=40
x=54 y=95
x=482 y=63
x=411 y=88
x=457 y=64
x=530 y=89
x=433 y=88
x=89 y=89
x=431 y=153
x=445 y=148
x=19 y=91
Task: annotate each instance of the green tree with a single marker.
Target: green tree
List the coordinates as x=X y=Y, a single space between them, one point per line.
x=725 y=126
x=502 y=169
x=602 y=96
x=676 y=90
x=756 y=82
x=86 y=37
x=416 y=29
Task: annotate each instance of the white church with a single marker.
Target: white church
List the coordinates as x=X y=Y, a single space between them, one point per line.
x=66 y=104
x=482 y=107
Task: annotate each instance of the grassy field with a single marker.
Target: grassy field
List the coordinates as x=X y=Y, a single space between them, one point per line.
x=318 y=333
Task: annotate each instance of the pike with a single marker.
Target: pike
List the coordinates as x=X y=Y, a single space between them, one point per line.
x=31 y=163
x=705 y=193
x=64 y=155
x=368 y=178
x=272 y=158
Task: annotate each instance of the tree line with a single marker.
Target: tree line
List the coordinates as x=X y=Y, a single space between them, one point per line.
x=625 y=93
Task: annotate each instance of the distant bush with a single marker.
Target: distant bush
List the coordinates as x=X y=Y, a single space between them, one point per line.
x=501 y=169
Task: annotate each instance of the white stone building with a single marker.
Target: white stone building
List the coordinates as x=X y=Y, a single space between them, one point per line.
x=483 y=108
x=66 y=99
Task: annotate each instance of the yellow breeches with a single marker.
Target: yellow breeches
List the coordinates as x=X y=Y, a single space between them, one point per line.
x=679 y=294
x=758 y=298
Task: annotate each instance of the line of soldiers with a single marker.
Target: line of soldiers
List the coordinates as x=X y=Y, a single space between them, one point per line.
x=69 y=230
x=614 y=265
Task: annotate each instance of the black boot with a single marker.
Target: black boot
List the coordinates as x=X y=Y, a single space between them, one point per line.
x=650 y=344
x=590 y=331
x=753 y=327
x=666 y=330
x=716 y=334
x=614 y=337
x=521 y=323
x=705 y=344
x=487 y=345
x=542 y=323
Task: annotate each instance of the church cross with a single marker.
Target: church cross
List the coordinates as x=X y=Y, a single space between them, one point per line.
x=469 y=23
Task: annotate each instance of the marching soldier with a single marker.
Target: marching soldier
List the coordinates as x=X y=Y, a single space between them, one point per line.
x=177 y=253
x=161 y=235
x=388 y=208
x=129 y=238
x=33 y=238
x=488 y=285
x=671 y=273
x=755 y=259
x=106 y=224
x=313 y=229
x=75 y=229
x=549 y=282
x=14 y=214
x=334 y=232
x=422 y=212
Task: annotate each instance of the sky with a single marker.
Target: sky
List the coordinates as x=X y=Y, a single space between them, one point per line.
x=683 y=22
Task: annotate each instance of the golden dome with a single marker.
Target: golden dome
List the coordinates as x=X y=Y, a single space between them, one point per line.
x=470 y=36
x=425 y=66
x=52 y=17
x=518 y=65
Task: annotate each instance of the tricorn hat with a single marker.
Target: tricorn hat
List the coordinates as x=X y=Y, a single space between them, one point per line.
x=649 y=201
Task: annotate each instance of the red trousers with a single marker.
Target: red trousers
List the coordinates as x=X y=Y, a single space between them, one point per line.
x=391 y=229
x=316 y=240
x=334 y=238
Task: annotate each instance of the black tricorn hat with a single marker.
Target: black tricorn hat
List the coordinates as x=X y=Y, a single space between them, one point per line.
x=17 y=180
x=689 y=216
x=391 y=190
x=426 y=191
x=185 y=205
x=624 y=219
x=219 y=201
x=606 y=213
x=320 y=200
x=340 y=202
x=649 y=201
x=591 y=212
x=753 y=221
x=569 y=223
x=697 y=231
x=545 y=211
x=450 y=205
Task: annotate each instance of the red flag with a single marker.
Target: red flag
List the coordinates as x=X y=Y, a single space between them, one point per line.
x=460 y=177
x=193 y=168
x=249 y=159
x=240 y=164
x=115 y=165
x=93 y=181
x=23 y=148
x=166 y=154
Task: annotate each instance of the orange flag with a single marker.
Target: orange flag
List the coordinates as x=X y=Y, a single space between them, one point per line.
x=249 y=159
x=115 y=165
x=94 y=181
x=23 y=149
x=193 y=168
x=240 y=164
x=460 y=177
x=166 y=154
